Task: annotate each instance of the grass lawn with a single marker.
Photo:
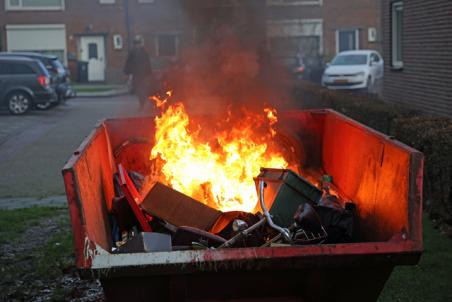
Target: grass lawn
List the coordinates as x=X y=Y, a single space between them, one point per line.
x=36 y=254
x=431 y=280
x=14 y=222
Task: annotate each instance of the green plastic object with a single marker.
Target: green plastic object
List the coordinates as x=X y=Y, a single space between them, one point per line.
x=285 y=190
x=327 y=178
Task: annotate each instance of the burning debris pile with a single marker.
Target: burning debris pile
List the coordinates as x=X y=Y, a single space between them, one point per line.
x=291 y=211
x=221 y=185
x=218 y=172
x=226 y=179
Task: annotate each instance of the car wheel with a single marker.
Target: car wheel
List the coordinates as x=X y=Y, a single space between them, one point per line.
x=19 y=102
x=43 y=106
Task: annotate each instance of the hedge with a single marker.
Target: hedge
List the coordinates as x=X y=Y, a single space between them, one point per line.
x=428 y=134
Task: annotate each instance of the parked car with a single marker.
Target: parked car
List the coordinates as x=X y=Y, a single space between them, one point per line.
x=294 y=65
x=60 y=75
x=24 y=83
x=309 y=68
x=355 y=69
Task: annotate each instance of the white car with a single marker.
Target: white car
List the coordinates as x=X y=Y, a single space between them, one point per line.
x=354 y=69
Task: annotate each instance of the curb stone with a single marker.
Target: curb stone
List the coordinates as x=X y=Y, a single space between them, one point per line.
x=28 y=202
x=108 y=93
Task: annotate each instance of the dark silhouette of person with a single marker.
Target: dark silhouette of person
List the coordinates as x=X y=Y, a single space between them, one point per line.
x=138 y=68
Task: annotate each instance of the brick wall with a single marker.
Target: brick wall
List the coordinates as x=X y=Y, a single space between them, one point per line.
x=182 y=17
x=425 y=82
x=175 y=17
x=85 y=17
x=81 y=17
x=351 y=14
x=89 y=17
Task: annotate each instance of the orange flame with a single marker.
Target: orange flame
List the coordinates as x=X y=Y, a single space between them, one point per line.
x=271 y=115
x=161 y=102
x=220 y=173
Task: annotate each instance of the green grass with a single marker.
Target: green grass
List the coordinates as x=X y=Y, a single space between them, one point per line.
x=57 y=255
x=14 y=222
x=38 y=262
x=431 y=280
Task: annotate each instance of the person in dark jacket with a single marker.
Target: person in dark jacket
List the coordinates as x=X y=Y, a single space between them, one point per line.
x=138 y=68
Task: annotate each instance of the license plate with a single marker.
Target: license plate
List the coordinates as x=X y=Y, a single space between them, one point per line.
x=341 y=81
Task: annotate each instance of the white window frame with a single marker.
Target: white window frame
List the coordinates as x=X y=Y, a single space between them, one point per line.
x=294 y=3
x=356 y=30
x=396 y=64
x=146 y=1
x=9 y=7
x=107 y=1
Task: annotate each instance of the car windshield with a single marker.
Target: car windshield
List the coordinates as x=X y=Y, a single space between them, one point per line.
x=58 y=66
x=43 y=68
x=350 y=60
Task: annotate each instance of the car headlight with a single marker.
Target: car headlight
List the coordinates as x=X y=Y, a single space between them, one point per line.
x=360 y=74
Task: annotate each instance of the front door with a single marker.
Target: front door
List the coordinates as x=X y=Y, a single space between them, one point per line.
x=92 y=50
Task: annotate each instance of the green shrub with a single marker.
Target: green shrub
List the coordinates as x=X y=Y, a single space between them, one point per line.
x=433 y=137
x=430 y=135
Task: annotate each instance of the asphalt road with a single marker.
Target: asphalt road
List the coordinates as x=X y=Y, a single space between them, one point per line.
x=34 y=148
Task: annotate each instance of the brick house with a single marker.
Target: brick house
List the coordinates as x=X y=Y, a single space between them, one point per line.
x=96 y=31
x=99 y=31
x=323 y=27
x=417 y=49
x=351 y=24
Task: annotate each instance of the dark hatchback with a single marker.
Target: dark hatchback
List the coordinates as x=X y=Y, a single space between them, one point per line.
x=24 y=84
x=60 y=75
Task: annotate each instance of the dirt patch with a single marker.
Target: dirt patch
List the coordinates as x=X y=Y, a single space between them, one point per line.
x=39 y=265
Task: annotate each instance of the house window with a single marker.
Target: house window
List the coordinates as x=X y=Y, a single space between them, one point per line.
x=347 y=40
x=167 y=45
x=34 y=4
x=92 y=51
x=397 y=34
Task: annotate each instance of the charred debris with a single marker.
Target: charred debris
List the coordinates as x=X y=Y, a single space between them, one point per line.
x=291 y=211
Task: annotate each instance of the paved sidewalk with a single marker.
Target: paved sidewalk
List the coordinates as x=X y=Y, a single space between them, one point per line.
x=28 y=202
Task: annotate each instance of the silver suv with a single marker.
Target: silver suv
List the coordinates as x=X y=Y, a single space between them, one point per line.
x=24 y=84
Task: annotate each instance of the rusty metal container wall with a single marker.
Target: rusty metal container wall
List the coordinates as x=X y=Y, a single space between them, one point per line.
x=374 y=172
x=389 y=209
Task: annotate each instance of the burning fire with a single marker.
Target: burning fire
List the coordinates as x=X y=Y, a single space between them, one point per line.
x=218 y=172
